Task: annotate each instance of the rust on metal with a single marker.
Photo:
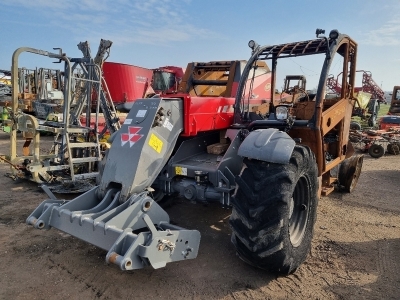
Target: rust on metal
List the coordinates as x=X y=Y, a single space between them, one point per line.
x=25 y=147
x=113 y=258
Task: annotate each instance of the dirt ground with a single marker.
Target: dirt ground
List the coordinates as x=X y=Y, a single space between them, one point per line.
x=355 y=252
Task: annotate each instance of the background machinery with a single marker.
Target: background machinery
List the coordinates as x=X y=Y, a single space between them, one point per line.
x=394 y=108
x=126 y=83
x=269 y=162
x=76 y=147
x=370 y=96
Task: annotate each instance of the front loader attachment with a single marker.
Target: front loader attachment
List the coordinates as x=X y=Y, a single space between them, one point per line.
x=136 y=233
x=118 y=215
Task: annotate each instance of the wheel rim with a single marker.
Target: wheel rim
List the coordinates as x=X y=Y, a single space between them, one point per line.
x=356 y=174
x=298 y=211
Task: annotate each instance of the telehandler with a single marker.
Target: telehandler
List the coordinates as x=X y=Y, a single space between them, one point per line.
x=269 y=161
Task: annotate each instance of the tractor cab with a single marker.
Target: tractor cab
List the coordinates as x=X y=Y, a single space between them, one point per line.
x=166 y=79
x=395 y=103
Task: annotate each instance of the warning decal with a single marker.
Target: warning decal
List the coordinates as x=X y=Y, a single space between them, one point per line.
x=181 y=171
x=155 y=143
x=168 y=124
x=132 y=137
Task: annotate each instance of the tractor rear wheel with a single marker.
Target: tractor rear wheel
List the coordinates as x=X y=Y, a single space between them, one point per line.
x=274 y=211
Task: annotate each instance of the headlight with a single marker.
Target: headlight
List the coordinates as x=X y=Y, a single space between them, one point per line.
x=281 y=112
x=252 y=44
x=334 y=34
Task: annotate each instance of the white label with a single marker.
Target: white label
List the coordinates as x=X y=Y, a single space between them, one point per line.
x=184 y=171
x=141 y=113
x=181 y=171
x=128 y=121
x=168 y=124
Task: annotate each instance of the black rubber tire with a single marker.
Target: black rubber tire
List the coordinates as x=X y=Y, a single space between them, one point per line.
x=355 y=125
x=274 y=211
x=157 y=195
x=376 y=151
x=372 y=120
x=393 y=148
x=373 y=109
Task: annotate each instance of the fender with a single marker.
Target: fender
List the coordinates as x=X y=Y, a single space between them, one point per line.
x=270 y=145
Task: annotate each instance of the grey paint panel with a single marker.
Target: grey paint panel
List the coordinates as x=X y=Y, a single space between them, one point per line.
x=111 y=225
x=269 y=145
x=141 y=148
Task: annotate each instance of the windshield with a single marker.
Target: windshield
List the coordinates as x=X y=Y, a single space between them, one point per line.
x=163 y=81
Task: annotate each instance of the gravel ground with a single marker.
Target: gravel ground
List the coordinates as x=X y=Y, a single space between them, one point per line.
x=355 y=252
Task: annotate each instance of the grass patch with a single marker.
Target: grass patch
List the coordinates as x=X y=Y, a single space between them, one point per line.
x=383 y=110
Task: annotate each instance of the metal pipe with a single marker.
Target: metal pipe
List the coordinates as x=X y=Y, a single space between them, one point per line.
x=14 y=94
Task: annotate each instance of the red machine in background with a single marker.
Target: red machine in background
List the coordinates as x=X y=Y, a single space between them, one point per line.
x=166 y=79
x=368 y=85
x=126 y=83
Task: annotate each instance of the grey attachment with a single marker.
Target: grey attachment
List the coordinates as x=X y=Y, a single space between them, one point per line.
x=49 y=193
x=136 y=233
x=270 y=145
x=118 y=215
x=142 y=147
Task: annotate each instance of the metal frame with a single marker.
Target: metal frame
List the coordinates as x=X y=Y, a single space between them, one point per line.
x=327 y=116
x=41 y=168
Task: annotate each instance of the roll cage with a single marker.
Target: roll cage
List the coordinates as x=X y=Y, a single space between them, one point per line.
x=334 y=43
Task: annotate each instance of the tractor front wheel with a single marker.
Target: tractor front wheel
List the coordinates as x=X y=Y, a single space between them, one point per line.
x=274 y=211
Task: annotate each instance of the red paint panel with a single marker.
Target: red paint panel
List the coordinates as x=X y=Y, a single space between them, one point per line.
x=126 y=83
x=207 y=113
x=101 y=121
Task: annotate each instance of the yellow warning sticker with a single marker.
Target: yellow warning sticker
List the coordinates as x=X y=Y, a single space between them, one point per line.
x=181 y=171
x=155 y=143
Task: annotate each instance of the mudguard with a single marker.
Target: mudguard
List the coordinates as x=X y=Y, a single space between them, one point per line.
x=270 y=145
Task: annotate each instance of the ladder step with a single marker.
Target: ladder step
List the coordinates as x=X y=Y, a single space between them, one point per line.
x=84 y=159
x=78 y=129
x=82 y=145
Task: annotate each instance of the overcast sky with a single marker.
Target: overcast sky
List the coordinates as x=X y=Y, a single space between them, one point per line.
x=154 y=33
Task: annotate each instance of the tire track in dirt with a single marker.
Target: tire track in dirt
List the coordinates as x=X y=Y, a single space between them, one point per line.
x=87 y=283
x=386 y=266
